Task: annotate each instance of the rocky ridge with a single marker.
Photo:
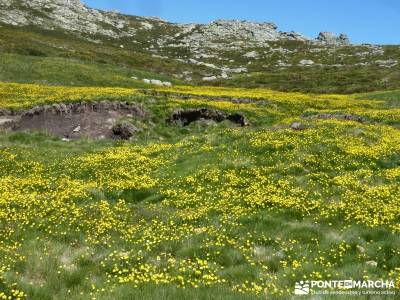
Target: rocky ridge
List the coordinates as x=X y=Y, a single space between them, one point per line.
x=223 y=52
x=73 y=15
x=240 y=33
x=70 y=15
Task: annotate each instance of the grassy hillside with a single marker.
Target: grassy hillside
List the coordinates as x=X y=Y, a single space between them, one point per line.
x=47 y=45
x=347 y=80
x=392 y=98
x=71 y=72
x=207 y=211
x=33 y=55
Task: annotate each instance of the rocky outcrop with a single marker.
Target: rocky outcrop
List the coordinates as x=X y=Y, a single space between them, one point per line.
x=292 y=35
x=74 y=16
x=332 y=39
x=71 y=15
x=236 y=34
x=306 y=62
x=225 y=29
x=203 y=45
x=157 y=82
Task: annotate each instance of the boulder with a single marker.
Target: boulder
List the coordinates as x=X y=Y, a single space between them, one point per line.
x=167 y=84
x=332 y=39
x=297 y=126
x=344 y=39
x=210 y=78
x=6 y=121
x=306 y=62
x=156 y=82
x=251 y=54
x=360 y=249
x=124 y=130
x=372 y=263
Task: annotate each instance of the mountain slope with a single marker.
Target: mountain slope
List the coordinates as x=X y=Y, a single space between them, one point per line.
x=224 y=53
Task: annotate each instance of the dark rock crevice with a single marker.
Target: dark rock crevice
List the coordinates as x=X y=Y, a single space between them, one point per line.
x=188 y=116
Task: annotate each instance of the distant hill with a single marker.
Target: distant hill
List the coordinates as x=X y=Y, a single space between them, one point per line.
x=224 y=53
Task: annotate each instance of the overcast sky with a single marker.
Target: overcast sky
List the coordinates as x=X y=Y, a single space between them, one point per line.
x=365 y=21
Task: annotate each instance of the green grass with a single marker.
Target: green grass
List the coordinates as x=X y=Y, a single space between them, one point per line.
x=71 y=72
x=70 y=244
x=344 y=80
x=86 y=61
x=34 y=42
x=392 y=98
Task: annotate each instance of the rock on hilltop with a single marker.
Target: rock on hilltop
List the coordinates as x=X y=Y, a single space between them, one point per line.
x=236 y=32
x=331 y=38
x=73 y=15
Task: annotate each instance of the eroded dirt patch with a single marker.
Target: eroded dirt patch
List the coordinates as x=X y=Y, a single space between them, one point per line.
x=72 y=121
x=187 y=116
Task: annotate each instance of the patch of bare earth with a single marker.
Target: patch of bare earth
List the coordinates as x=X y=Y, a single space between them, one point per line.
x=73 y=121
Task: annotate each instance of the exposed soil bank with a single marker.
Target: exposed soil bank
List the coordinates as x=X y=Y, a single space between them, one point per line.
x=72 y=121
